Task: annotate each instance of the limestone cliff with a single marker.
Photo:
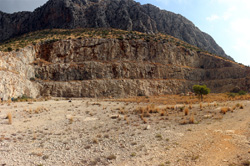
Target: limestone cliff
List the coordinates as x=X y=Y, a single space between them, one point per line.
x=15 y=74
x=120 y=14
x=129 y=64
x=112 y=67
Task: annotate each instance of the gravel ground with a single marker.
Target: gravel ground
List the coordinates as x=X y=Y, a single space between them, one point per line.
x=98 y=132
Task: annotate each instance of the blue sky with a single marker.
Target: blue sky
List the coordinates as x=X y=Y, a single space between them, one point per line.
x=227 y=21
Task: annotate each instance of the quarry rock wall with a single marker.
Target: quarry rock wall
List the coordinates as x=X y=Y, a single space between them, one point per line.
x=113 y=67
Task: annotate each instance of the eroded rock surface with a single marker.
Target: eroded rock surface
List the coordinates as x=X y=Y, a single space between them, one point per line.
x=111 y=67
x=120 y=14
x=16 y=74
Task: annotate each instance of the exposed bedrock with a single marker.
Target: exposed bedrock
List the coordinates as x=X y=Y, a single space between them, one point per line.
x=112 y=67
x=119 y=14
x=131 y=67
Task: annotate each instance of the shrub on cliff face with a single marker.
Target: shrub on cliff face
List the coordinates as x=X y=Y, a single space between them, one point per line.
x=201 y=90
x=242 y=92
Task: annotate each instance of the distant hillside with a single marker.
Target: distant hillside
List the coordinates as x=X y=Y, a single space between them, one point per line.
x=120 y=14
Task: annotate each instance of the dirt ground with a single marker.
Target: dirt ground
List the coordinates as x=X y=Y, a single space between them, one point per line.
x=107 y=132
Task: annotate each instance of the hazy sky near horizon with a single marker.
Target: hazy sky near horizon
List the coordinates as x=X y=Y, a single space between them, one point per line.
x=227 y=21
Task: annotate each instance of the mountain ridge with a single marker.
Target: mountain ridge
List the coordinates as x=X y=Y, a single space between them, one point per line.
x=123 y=14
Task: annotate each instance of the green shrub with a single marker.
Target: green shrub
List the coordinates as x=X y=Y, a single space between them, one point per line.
x=201 y=90
x=232 y=94
x=24 y=97
x=37 y=76
x=32 y=79
x=120 y=38
x=242 y=92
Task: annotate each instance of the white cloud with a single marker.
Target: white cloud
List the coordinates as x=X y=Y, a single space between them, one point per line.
x=241 y=26
x=241 y=47
x=213 y=17
x=228 y=14
x=245 y=4
x=235 y=21
x=166 y=2
x=183 y=1
x=239 y=29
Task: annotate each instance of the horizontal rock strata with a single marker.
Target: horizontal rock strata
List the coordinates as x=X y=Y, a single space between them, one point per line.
x=112 y=67
x=117 y=68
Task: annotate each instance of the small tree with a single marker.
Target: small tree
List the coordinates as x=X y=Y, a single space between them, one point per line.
x=201 y=90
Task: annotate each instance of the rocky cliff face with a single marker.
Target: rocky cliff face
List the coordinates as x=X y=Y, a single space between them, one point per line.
x=119 y=14
x=103 y=67
x=15 y=73
x=112 y=67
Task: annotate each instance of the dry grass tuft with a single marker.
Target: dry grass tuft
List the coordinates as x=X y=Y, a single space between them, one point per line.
x=97 y=104
x=71 y=120
x=191 y=120
x=233 y=108
x=141 y=116
x=143 y=119
x=183 y=122
x=111 y=157
x=224 y=110
x=177 y=99
x=34 y=136
x=186 y=111
x=9 y=116
x=36 y=110
x=172 y=107
x=139 y=110
x=245 y=163
x=201 y=106
x=122 y=111
x=126 y=118
x=146 y=114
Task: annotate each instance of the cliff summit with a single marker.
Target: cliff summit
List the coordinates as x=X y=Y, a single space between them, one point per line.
x=119 y=14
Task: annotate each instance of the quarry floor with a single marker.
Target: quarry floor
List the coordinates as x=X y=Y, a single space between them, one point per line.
x=104 y=132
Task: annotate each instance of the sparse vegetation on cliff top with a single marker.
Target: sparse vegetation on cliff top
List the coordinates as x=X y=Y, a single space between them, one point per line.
x=50 y=36
x=54 y=35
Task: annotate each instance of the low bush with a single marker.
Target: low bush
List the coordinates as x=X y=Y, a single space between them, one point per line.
x=242 y=92
x=21 y=98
